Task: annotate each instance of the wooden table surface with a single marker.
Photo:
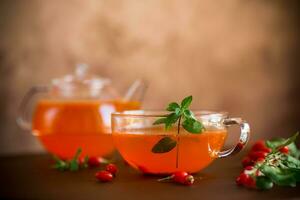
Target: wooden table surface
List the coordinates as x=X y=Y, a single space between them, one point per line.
x=30 y=177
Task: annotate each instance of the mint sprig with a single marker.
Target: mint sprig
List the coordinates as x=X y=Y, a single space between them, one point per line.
x=177 y=114
x=183 y=112
x=73 y=164
x=278 y=168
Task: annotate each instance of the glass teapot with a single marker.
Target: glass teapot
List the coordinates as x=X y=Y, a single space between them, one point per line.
x=75 y=112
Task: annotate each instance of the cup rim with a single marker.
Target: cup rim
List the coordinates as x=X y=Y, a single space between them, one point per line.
x=163 y=113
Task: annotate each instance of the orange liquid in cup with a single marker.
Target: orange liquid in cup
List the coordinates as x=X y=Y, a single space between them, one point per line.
x=196 y=151
x=63 y=126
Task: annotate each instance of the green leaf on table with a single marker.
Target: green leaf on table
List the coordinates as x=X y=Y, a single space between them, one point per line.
x=296 y=172
x=264 y=183
x=293 y=150
x=74 y=165
x=164 y=145
x=278 y=176
x=276 y=144
x=292 y=162
x=60 y=164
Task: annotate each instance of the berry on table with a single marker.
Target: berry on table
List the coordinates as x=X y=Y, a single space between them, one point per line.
x=94 y=162
x=257 y=154
x=260 y=145
x=242 y=178
x=250 y=182
x=180 y=176
x=112 y=168
x=247 y=161
x=260 y=160
x=246 y=180
x=249 y=167
x=104 y=176
x=284 y=150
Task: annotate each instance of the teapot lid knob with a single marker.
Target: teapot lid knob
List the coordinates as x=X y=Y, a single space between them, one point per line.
x=81 y=70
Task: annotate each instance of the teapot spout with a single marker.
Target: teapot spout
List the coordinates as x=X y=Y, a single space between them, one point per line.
x=136 y=91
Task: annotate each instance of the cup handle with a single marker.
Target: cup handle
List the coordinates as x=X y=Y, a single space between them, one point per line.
x=244 y=136
x=23 y=119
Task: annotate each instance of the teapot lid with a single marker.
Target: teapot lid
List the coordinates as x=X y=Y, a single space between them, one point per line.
x=79 y=84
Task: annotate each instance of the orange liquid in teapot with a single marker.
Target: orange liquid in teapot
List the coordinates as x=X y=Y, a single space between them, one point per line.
x=63 y=126
x=196 y=151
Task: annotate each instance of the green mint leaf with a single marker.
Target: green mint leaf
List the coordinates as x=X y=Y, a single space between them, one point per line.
x=296 y=172
x=160 y=121
x=290 y=161
x=188 y=114
x=164 y=145
x=278 y=176
x=178 y=111
x=61 y=165
x=192 y=126
x=74 y=165
x=172 y=106
x=170 y=120
x=264 y=183
x=293 y=150
x=288 y=141
x=276 y=144
x=186 y=102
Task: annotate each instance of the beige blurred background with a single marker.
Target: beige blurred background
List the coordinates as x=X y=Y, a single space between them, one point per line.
x=238 y=55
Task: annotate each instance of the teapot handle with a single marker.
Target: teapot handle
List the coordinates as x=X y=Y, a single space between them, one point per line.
x=23 y=119
x=137 y=90
x=244 y=136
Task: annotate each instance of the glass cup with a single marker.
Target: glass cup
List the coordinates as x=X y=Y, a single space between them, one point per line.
x=135 y=136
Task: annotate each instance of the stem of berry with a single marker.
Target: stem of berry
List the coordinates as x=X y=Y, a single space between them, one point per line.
x=178 y=138
x=166 y=178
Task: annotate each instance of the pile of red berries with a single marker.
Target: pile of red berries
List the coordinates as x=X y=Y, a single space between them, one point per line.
x=108 y=174
x=256 y=156
x=180 y=177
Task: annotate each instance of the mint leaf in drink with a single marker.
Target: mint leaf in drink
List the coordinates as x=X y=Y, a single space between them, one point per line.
x=160 y=121
x=164 y=145
x=186 y=102
x=173 y=106
x=192 y=125
x=178 y=113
